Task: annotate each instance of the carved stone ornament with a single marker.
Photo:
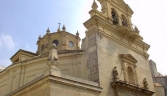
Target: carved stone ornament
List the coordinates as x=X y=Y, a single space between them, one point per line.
x=115 y=74
x=53 y=56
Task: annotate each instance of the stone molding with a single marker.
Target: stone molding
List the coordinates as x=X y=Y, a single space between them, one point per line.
x=129 y=60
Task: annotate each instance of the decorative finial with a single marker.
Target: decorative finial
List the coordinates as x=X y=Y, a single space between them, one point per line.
x=58 y=30
x=77 y=33
x=94 y=6
x=48 y=31
x=64 y=28
x=39 y=37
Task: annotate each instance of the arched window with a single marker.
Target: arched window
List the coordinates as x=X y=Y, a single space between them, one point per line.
x=56 y=42
x=114 y=16
x=130 y=74
x=124 y=20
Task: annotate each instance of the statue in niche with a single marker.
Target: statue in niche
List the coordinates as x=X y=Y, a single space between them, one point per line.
x=115 y=74
x=145 y=84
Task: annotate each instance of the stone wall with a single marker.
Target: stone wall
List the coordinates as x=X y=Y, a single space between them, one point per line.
x=154 y=71
x=108 y=58
x=162 y=81
x=32 y=89
x=159 y=91
x=92 y=61
x=65 y=90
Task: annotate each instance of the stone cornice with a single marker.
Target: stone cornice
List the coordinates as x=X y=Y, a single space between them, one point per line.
x=121 y=85
x=128 y=57
x=56 y=77
x=23 y=51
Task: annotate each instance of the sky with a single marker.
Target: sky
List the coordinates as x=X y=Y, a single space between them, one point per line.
x=22 y=21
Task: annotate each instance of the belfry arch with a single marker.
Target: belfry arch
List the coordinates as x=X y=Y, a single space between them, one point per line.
x=124 y=20
x=114 y=16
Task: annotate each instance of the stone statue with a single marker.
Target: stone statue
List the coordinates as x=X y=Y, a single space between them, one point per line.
x=53 y=53
x=145 y=84
x=53 y=60
x=115 y=74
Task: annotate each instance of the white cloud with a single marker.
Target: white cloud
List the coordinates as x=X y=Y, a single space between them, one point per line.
x=7 y=41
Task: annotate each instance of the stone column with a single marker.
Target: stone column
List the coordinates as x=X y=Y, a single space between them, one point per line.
x=124 y=70
x=130 y=23
x=119 y=21
x=136 y=77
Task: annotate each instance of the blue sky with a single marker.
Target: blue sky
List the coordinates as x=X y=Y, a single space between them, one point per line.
x=22 y=21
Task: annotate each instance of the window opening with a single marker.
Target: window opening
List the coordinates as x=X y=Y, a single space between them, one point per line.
x=56 y=42
x=124 y=21
x=114 y=18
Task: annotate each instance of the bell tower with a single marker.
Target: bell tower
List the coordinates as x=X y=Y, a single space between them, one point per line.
x=113 y=41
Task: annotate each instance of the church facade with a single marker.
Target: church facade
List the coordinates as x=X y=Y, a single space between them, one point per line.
x=112 y=60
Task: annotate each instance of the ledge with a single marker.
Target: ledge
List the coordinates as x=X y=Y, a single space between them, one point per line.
x=55 y=76
x=118 y=85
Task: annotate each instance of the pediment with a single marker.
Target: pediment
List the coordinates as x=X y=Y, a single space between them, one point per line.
x=128 y=57
x=123 y=5
x=21 y=52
